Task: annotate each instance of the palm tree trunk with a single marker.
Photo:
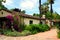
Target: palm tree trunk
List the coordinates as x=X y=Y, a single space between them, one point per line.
x=40 y=9
x=51 y=10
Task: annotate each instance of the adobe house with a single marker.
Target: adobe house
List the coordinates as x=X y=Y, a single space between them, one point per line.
x=24 y=18
x=4 y=21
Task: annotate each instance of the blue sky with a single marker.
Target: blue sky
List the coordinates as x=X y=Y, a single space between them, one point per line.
x=30 y=6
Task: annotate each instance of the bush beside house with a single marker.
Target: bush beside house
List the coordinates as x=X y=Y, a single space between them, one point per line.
x=28 y=30
x=58 y=31
x=35 y=28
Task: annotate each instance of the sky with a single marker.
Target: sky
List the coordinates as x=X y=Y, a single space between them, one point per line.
x=30 y=6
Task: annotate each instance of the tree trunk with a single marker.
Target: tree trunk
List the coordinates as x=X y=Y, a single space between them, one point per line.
x=51 y=10
x=40 y=9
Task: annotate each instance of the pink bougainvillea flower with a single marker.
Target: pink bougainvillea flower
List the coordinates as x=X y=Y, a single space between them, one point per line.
x=10 y=17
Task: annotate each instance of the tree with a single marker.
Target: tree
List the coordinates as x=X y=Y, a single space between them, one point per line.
x=40 y=6
x=36 y=15
x=51 y=2
x=2 y=6
x=40 y=9
x=44 y=8
x=16 y=9
x=23 y=11
x=56 y=16
x=51 y=9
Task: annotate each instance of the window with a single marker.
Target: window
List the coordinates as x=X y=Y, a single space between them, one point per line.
x=2 y=13
x=41 y=23
x=30 y=22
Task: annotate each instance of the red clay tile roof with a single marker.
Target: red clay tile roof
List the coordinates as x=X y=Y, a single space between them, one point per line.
x=6 y=10
x=30 y=16
x=56 y=20
x=25 y=15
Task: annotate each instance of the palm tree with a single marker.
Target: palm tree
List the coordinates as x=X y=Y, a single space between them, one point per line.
x=40 y=8
x=51 y=9
x=46 y=6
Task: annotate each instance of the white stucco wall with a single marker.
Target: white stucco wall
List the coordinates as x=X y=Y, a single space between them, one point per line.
x=26 y=21
x=5 y=13
x=48 y=22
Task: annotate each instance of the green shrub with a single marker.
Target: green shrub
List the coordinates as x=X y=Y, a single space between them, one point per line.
x=58 y=27
x=27 y=30
x=1 y=31
x=11 y=33
x=35 y=28
x=22 y=27
x=58 y=31
x=58 y=34
x=15 y=33
x=44 y=27
x=25 y=33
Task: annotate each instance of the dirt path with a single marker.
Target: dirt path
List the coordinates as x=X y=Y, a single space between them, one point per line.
x=48 y=35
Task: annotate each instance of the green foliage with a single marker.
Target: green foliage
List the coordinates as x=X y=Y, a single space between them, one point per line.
x=36 y=14
x=48 y=15
x=58 y=27
x=15 y=9
x=23 y=11
x=2 y=6
x=10 y=33
x=1 y=31
x=22 y=27
x=15 y=19
x=28 y=30
x=35 y=28
x=58 y=31
x=15 y=33
x=25 y=33
x=58 y=34
x=51 y=1
x=44 y=27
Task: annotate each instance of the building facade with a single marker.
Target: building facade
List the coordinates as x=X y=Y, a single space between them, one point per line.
x=24 y=18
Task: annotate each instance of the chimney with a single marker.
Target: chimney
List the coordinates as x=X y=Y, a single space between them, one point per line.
x=43 y=16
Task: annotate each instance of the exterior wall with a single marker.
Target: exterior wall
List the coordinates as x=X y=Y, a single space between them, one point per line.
x=26 y=21
x=35 y=21
x=4 y=14
x=48 y=22
x=43 y=21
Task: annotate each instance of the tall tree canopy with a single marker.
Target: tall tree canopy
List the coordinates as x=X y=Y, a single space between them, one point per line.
x=44 y=8
x=2 y=6
x=51 y=2
x=18 y=10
